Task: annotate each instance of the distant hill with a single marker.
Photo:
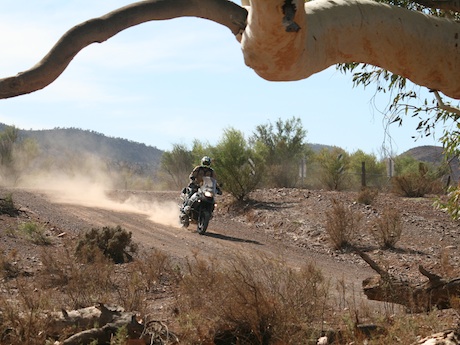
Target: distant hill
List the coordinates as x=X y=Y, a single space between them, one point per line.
x=318 y=147
x=58 y=142
x=429 y=154
x=434 y=155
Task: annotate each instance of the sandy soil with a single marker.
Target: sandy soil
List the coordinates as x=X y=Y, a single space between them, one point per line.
x=287 y=223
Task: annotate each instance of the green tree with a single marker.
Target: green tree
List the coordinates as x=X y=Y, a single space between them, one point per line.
x=415 y=178
x=177 y=164
x=201 y=149
x=283 y=147
x=8 y=138
x=237 y=165
x=333 y=165
x=375 y=170
x=16 y=155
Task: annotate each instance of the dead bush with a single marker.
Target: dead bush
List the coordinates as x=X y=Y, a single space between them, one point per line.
x=22 y=320
x=114 y=243
x=35 y=232
x=7 y=206
x=253 y=299
x=148 y=274
x=415 y=185
x=8 y=267
x=154 y=268
x=341 y=225
x=367 y=195
x=84 y=283
x=387 y=228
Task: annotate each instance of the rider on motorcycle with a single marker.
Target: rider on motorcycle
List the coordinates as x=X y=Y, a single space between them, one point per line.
x=196 y=178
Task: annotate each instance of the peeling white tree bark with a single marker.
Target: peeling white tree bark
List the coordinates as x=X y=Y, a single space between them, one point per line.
x=286 y=40
x=422 y=48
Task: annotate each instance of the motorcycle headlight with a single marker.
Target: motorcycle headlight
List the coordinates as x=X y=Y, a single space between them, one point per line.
x=208 y=194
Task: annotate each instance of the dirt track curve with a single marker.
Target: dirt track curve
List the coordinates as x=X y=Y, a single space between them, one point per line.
x=223 y=236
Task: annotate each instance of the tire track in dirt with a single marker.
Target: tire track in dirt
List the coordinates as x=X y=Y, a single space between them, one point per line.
x=223 y=239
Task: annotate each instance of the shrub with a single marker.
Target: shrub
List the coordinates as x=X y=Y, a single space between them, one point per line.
x=84 y=283
x=36 y=232
x=8 y=269
x=154 y=267
x=452 y=204
x=417 y=184
x=237 y=165
x=341 y=225
x=387 y=228
x=114 y=243
x=253 y=299
x=7 y=206
x=367 y=195
x=22 y=320
x=333 y=164
x=411 y=185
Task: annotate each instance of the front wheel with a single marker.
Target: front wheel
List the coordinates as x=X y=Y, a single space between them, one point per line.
x=203 y=222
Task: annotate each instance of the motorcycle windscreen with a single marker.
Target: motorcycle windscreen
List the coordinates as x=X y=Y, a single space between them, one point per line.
x=209 y=184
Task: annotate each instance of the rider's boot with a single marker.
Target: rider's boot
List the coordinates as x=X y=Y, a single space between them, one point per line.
x=184 y=219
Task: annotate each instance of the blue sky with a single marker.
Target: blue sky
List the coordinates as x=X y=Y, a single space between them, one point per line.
x=168 y=82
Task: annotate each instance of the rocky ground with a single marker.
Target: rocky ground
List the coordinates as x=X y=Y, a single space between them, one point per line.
x=281 y=222
x=429 y=236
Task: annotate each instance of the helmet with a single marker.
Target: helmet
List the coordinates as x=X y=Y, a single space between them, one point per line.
x=206 y=161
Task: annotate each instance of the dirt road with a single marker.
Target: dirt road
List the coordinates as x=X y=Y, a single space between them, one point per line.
x=152 y=219
x=280 y=223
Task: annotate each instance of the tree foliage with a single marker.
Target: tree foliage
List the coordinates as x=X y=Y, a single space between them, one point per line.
x=406 y=99
x=7 y=140
x=333 y=165
x=16 y=155
x=177 y=165
x=282 y=146
x=237 y=165
x=375 y=170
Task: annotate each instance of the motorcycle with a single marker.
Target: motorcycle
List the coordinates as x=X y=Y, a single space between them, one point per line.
x=199 y=208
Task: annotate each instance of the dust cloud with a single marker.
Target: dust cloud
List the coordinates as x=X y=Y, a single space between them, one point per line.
x=95 y=189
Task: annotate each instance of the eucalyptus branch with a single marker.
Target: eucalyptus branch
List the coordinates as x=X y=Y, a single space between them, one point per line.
x=444 y=106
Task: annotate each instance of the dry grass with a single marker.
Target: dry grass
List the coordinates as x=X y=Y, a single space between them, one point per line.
x=342 y=225
x=367 y=195
x=227 y=300
x=256 y=300
x=414 y=185
x=8 y=268
x=387 y=228
x=35 y=232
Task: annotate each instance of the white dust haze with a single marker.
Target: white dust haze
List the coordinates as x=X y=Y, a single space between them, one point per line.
x=91 y=188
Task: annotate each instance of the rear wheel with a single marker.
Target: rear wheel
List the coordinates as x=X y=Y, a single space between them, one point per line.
x=203 y=221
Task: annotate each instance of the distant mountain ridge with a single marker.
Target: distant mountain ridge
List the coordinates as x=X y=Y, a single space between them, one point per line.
x=435 y=155
x=58 y=141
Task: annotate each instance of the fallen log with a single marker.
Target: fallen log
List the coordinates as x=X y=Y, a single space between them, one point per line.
x=84 y=318
x=104 y=334
x=448 y=337
x=435 y=293
x=101 y=323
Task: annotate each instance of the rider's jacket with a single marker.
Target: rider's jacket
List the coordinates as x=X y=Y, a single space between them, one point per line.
x=199 y=171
